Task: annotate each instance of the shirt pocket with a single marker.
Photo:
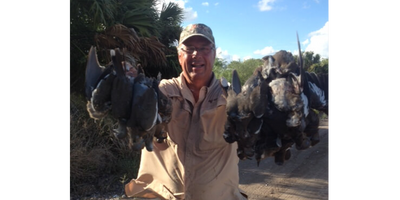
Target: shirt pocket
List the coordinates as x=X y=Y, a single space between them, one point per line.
x=179 y=125
x=213 y=126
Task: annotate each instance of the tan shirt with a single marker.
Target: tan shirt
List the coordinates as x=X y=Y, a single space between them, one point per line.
x=195 y=162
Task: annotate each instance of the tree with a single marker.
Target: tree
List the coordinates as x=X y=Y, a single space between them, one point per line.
x=321 y=67
x=245 y=69
x=168 y=24
x=95 y=17
x=219 y=67
x=313 y=63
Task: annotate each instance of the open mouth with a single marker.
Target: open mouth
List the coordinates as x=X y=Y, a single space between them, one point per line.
x=197 y=65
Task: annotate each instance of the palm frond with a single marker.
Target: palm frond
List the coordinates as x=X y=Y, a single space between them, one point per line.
x=142 y=19
x=172 y=13
x=118 y=36
x=154 y=51
x=147 y=50
x=102 y=11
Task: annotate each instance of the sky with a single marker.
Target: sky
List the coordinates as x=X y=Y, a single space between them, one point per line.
x=254 y=29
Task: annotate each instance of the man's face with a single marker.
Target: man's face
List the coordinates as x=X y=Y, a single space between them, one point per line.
x=197 y=67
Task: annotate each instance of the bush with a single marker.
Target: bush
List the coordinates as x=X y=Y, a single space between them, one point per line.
x=99 y=163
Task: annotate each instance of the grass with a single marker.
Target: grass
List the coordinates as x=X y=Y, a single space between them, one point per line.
x=99 y=163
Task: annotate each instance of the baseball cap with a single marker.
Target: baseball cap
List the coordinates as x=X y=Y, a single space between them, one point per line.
x=196 y=30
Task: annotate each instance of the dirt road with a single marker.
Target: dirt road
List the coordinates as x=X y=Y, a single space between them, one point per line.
x=303 y=176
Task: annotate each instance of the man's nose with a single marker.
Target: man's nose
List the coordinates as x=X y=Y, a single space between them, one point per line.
x=196 y=50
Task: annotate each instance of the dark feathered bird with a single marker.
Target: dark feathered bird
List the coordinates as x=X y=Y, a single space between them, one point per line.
x=286 y=100
x=98 y=86
x=295 y=93
x=162 y=114
x=279 y=65
x=287 y=121
x=151 y=112
x=109 y=89
x=121 y=94
x=245 y=108
x=144 y=110
x=316 y=90
x=164 y=111
x=284 y=123
x=136 y=103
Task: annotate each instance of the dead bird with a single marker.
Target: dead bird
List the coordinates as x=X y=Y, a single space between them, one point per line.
x=141 y=109
x=157 y=108
x=245 y=108
x=121 y=93
x=144 y=110
x=98 y=86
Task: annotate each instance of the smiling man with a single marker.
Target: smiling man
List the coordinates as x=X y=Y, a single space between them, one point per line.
x=194 y=162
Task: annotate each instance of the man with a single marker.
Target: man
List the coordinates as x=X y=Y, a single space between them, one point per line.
x=194 y=162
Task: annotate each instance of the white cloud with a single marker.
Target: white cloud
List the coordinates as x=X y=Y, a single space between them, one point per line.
x=189 y=14
x=235 y=58
x=295 y=52
x=247 y=57
x=319 y=41
x=265 y=5
x=204 y=3
x=180 y=3
x=223 y=54
x=216 y=4
x=265 y=51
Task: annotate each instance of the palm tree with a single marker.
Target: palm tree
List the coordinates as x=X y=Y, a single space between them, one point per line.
x=95 y=21
x=168 y=24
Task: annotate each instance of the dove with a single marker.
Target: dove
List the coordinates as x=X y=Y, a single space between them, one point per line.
x=98 y=85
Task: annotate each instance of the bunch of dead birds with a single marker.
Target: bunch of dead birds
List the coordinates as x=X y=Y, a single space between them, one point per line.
x=275 y=108
x=141 y=109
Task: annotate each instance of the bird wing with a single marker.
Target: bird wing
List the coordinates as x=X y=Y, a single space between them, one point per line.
x=236 y=86
x=144 y=104
x=94 y=72
x=121 y=94
x=224 y=85
x=302 y=75
x=98 y=86
x=122 y=90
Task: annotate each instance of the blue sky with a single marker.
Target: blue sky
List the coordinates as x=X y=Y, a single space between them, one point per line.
x=253 y=29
